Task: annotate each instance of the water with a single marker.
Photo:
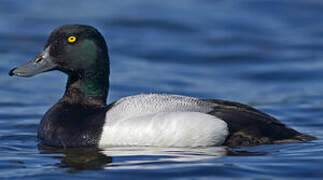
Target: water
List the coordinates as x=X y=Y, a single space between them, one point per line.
x=268 y=54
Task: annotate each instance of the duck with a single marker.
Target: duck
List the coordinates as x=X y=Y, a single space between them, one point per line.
x=82 y=117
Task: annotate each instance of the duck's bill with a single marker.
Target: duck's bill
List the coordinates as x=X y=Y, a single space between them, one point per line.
x=39 y=64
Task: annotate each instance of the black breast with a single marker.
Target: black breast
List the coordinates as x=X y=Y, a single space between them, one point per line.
x=72 y=125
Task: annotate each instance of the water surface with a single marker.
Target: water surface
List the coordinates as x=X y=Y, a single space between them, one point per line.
x=268 y=54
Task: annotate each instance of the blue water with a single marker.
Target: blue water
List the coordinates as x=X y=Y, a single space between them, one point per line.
x=268 y=54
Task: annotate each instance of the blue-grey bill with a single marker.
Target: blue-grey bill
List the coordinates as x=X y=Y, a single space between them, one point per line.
x=39 y=64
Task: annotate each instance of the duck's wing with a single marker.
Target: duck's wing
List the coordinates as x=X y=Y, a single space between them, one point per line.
x=249 y=126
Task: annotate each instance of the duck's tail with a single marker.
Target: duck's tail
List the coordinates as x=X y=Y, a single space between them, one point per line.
x=298 y=138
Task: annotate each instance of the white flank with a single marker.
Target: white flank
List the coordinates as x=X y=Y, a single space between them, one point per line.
x=163 y=121
x=174 y=129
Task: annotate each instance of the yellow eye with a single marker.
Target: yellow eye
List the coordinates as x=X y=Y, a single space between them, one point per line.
x=71 y=39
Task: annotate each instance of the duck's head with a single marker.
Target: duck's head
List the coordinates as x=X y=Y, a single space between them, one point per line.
x=79 y=51
x=72 y=49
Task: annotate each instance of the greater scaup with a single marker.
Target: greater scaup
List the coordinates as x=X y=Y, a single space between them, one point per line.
x=81 y=118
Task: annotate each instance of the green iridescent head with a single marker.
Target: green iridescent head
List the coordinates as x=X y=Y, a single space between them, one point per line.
x=77 y=50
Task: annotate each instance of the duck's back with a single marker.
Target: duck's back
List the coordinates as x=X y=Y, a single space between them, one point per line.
x=141 y=105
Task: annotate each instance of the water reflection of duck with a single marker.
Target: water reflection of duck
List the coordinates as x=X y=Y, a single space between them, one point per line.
x=78 y=158
x=82 y=119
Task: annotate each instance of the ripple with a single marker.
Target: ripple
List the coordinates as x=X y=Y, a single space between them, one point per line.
x=264 y=53
x=150 y=23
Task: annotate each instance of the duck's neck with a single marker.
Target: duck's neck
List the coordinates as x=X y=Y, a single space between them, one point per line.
x=89 y=87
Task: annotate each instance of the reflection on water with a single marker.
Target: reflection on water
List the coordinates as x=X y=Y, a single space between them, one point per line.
x=158 y=158
x=78 y=159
